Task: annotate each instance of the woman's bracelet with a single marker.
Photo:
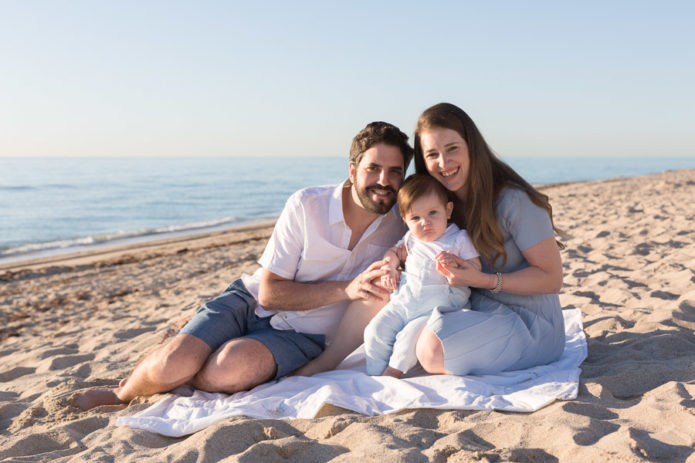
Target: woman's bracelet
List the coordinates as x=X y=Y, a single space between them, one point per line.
x=498 y=286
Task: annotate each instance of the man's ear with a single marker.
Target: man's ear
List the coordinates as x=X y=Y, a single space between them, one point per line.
x=449 y=209
x=351 y=171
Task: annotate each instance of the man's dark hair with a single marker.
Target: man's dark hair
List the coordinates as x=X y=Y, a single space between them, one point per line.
x=380 y=132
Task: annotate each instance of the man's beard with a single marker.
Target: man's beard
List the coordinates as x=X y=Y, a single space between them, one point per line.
x=383 y=205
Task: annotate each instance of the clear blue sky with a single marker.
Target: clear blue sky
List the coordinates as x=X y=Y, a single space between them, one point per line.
x=131 y=78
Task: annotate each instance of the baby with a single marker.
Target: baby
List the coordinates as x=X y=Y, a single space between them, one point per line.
x=390 y=337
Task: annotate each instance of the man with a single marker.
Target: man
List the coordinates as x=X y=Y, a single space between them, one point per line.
x=317 y=261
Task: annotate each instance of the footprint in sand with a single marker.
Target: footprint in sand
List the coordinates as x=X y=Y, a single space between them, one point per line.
x=528 y=455
x=687 y=313
x=60 y=363
x=655 y=450
x=7 y=396
x=664 y=295
x=643 y=249
x=7 y=352
x=594 y=298
x=67 y=350
x=595 y=431
x=36 y=444
x=15 y=373
x=131 y=333
x=633 y=284
x=593 y=411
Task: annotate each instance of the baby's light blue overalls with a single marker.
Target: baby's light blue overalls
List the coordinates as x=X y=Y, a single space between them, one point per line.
x=390 y=337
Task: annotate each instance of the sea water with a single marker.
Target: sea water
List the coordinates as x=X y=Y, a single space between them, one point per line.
x=56 y=205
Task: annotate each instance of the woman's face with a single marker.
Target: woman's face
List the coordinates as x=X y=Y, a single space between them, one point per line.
x=446 y=157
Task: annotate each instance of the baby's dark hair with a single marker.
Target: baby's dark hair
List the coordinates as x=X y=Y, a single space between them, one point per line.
x=416 y=186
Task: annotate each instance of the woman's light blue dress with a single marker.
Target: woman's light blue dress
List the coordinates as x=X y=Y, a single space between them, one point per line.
x=505 y=331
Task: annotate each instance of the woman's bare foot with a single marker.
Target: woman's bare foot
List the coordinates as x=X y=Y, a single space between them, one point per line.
x=393 y=372
x=94 y=398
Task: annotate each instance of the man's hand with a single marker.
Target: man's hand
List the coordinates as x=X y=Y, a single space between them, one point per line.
x=364 y=286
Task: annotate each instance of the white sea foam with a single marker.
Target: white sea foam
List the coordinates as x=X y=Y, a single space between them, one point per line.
x=122 y=237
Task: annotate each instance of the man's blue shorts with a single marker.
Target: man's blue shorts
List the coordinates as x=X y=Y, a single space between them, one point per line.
x=232 y=315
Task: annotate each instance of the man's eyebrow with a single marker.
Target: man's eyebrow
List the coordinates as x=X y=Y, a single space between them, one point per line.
x=376 y=164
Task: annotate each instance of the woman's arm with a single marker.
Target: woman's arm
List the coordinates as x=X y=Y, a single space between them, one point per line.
x=542 y=276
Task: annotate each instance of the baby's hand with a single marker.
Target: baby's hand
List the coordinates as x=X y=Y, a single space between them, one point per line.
x=390 y=281
x=445 y=259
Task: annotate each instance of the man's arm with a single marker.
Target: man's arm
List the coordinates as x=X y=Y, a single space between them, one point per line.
x=278 y=293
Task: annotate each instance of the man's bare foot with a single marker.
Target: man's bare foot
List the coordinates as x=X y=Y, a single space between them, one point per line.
x=95 y=398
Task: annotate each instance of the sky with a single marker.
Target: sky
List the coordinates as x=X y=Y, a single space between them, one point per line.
x=226 y=78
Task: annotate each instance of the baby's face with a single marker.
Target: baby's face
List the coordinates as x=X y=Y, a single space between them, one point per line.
x=427 y=217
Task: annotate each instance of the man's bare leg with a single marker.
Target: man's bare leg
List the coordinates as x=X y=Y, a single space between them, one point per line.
x=168 y=367
x=349 y=336
x=239 y=365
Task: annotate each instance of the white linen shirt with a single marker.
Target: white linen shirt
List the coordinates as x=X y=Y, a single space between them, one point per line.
x=310 y=244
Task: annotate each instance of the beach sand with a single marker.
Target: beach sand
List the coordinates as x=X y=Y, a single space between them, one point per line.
x=76 y=322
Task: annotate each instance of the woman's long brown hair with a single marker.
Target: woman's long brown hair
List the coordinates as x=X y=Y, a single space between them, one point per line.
x=487 y=177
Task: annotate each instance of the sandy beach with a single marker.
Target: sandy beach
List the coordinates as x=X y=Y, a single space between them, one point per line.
x=75 y=322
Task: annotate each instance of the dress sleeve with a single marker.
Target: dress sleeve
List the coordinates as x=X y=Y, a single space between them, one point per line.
x=284 y=249
x=463 y=246
x=527 y=223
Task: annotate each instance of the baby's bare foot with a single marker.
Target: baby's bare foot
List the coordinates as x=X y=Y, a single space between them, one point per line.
x=94 y=398
x=390 y=371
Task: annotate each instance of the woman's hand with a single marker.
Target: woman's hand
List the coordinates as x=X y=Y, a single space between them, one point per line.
x=542 y=276
x=459 y=272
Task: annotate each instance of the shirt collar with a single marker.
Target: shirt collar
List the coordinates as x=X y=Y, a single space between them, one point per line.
x=451 y=229
x=335 y=208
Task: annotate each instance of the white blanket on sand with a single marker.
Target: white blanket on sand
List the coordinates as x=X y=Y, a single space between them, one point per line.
x=350 y=388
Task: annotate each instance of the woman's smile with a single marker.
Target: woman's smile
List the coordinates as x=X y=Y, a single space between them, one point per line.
x=446 y=156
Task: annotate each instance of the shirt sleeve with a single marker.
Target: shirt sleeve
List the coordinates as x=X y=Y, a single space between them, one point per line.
x=284 y=249
x=464 y=246
x=527 y=223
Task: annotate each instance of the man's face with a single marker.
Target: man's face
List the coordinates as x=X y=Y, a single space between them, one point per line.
x=377 y=177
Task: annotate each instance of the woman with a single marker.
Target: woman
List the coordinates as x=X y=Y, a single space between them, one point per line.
x=514 y=319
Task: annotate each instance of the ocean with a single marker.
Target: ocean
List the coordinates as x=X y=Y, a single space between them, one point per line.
x=52 y=206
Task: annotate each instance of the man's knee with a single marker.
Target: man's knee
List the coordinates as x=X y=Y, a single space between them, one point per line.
x=239 y=365
x=179 y=360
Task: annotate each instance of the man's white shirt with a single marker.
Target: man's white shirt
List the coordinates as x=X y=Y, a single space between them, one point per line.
x=310 y=244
